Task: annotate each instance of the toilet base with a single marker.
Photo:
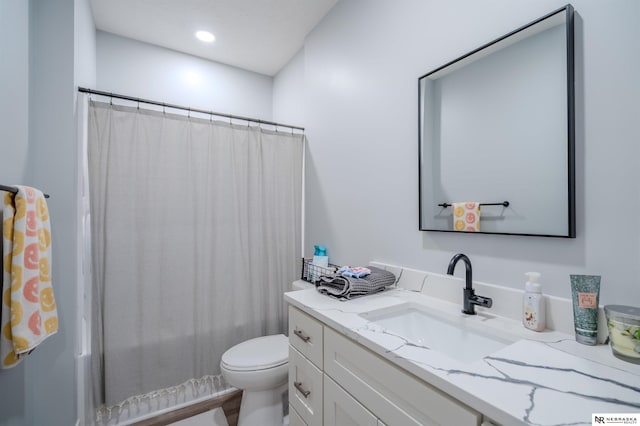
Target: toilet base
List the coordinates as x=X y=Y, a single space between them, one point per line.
x=262 y=408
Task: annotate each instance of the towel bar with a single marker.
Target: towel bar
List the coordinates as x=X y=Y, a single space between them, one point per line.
x=504 y=203
x=14 y=190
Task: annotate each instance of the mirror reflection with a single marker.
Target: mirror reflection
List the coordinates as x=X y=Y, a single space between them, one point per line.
x=496 y=135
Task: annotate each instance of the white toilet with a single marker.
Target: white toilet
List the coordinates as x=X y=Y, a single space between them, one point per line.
x=260 y=367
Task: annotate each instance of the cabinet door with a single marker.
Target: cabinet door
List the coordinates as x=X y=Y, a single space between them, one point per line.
x=305 y=388
x=392 y=395
x=340 y=409
x=294 y=418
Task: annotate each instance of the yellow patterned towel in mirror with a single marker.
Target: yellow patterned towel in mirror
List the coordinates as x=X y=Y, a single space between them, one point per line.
x=466 y=216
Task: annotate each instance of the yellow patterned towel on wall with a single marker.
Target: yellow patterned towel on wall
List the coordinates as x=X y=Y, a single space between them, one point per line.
x=28 y=312
x=466 y=216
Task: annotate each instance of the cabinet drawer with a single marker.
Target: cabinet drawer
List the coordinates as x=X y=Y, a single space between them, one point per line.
x=305 y=388
x=306 y=335
x=340 y=409
x=395 y=397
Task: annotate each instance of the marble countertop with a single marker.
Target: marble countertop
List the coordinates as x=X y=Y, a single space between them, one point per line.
x=542 y=378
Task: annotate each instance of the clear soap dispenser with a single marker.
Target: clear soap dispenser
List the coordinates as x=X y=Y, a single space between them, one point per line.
x=533 y=309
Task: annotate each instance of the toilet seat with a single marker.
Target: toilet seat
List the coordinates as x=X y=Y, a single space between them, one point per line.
x=261 y=353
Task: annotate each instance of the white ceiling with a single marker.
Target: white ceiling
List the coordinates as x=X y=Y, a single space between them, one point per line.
x=256 y=35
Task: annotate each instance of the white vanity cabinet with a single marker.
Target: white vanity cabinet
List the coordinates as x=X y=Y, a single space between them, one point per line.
x=335 y=381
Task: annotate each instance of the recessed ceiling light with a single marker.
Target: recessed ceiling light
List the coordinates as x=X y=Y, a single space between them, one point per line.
x=205 y=36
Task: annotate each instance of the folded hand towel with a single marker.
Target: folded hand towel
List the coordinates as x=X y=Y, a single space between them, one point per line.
x=28 y=309
x=345 y=288
x=354 y=272
x=466 y=216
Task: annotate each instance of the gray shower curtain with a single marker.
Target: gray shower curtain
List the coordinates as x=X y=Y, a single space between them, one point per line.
x=196 y=234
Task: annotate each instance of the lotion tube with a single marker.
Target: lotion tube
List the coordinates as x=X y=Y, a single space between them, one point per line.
x=585 y=293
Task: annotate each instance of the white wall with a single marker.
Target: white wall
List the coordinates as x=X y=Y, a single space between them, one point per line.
x=16 y=405
x=14 y=85
x=288 y=92
x=362 y=63
x=85 y=45
x=137 y=69
x=38 y=148
x=52 y=164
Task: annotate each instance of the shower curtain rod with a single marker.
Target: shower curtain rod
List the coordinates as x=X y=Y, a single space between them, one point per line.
x=173 y=106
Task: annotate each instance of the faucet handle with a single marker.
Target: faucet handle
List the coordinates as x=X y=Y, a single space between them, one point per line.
x=486 y=302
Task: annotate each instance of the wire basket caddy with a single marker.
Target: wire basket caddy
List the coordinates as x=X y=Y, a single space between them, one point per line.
x=312 y=273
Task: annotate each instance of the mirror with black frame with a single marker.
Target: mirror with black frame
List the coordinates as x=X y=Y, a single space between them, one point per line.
x=497 y=129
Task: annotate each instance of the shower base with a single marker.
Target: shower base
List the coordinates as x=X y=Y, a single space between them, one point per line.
x=139 y=408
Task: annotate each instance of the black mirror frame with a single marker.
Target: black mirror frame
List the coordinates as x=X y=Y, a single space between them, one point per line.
x=571 y=231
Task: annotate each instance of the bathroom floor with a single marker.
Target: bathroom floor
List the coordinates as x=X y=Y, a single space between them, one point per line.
x=213 y=417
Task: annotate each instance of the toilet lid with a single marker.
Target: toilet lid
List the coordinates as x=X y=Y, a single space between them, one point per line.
x=260 y=353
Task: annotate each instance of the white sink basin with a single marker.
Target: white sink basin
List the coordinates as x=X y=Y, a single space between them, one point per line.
x=418 y=326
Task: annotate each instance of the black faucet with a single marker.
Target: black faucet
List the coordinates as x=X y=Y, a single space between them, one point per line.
x=470 y=299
